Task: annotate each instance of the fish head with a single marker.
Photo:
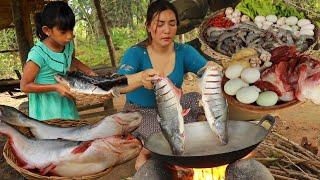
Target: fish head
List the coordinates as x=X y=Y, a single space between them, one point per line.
x=130 y=120
x=125 y=147
x=178 y=144
x=8 y=113
x=62 y=80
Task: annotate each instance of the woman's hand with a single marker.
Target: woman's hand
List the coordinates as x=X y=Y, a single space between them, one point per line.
x=147 y=76
x=213 y=64
x=64 y=91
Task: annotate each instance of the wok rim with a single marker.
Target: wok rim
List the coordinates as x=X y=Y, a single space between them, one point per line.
x=195 y=156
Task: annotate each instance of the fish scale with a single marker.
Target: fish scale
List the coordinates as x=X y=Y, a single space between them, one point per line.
x=170 y=114
x=213 y=102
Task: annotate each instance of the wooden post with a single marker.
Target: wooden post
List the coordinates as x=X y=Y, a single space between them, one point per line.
x=106 y=33
x=21 y=20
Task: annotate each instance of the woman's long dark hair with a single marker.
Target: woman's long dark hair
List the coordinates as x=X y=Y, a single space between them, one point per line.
x=154 y=9
x=55 y=13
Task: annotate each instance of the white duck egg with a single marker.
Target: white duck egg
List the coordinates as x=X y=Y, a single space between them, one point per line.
x=308 y=26
x=250 y=75
x=286 y=27
x=267 y=98
x=259 y=19
x=233 y=85
x=233 y=71
x=245 y=18
x=259 y=25
x=292 y=20
x=307 y=32
x=303 y=22
x=247 y=95
x=236 y=13
x=281 y=21
x=272 y=18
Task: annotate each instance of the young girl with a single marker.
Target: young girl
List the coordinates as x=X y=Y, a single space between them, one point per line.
x=53 y=54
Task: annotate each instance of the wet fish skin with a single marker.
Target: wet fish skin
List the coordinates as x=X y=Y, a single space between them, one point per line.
x=121 y=123
x=170 y=114
x=214 y=104
x=79 y=85
x=70 y=158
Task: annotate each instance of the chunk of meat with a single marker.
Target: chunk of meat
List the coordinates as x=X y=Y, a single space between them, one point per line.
x=275 y=79
x=308 y=86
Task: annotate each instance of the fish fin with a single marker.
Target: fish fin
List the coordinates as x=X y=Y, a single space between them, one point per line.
x=185 y=112
x=178 y=92
x=158 y=118
x=82 y=147
x=47 y=169
x=201 y=71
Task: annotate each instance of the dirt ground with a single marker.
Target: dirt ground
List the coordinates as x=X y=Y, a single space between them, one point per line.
x=295 y=123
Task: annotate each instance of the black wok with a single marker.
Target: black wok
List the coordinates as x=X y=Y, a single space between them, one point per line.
x=204 y=150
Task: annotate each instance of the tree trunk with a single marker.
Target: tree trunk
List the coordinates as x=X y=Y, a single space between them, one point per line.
x=21 y=22
x=106 y=33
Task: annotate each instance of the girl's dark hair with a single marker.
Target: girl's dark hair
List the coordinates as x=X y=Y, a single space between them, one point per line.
x=55 y=13
x=154 y=9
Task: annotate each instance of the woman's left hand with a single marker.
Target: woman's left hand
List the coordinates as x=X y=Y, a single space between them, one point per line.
x=212 y=63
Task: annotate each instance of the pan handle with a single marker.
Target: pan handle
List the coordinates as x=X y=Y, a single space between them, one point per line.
x=270 y=119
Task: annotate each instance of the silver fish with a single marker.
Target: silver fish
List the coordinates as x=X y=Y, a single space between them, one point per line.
x=170 y=114
x=70 y=158
x=121 y=123
x=213 y=102
x=77 y=84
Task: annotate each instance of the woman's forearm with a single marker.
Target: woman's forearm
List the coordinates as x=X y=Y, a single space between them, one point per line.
x=134 y=82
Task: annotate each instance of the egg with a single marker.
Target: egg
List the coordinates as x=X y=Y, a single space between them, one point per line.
x=259 y=19
x=272 y=18
x=250 y=75
x=267 y=98
x=292 y=20
x=233 y=85
x=247 y=95
x=233 y=71
x=281 y=21
x=303 y=22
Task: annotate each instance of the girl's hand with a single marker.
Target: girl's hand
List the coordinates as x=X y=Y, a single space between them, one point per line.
x=64 y=91
x=147 y=76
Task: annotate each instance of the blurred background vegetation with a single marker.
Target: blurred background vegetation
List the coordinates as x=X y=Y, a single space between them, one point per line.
x=125 y=20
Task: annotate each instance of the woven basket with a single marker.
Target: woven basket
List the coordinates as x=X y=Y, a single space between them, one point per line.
x=223 y=59
x=12 y=161
x=217 y=57
x=82 y=99
x=256 y=108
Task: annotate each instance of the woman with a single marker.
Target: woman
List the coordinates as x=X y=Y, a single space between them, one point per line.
x=158 y=55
